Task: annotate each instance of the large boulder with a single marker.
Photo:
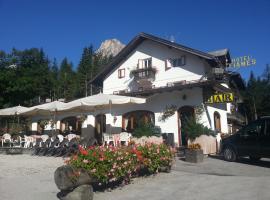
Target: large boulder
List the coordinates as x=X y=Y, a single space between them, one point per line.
x=83 y=192
x=66 y=178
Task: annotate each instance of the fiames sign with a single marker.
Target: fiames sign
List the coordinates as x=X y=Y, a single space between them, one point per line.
x=221 y=98
x=243 y=61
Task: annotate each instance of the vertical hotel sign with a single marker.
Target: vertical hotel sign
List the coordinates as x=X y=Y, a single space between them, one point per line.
x=221 y=98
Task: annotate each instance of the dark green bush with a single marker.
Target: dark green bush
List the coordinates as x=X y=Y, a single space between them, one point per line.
x=194 y=129
x=146 y=129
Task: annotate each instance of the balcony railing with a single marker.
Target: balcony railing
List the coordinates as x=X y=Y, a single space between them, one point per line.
x=144 y=73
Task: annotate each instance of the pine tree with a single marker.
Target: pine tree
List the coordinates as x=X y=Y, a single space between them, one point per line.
x=85 y=71
x=55 y=80
x=66 y=80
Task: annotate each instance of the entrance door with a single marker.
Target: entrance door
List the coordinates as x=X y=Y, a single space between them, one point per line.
x=184 y=114
x=100 y=127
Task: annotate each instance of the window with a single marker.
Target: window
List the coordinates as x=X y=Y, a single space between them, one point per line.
x=132 y=119
x=121 y=73
x=253 y=129
x=143 y=74
x=175 y=62
x=145 y=63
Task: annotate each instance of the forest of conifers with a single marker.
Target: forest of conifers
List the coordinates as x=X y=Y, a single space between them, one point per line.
x=29 y=77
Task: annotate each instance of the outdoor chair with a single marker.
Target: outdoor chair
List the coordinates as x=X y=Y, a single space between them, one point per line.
x=22 y=141
x=125 y=138
x=71 y=136
x=108 y=139
x=44 y=147
x=27 y=141
x=6 y=139
x=52 y=146
x=55 y=144
x=60 y=137
x=62 y=149
x=44 y=138
x=16 y=141
x=73 y=147
x=38 y=145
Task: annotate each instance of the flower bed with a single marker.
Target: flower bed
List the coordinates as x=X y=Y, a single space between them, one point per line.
x=109 y=164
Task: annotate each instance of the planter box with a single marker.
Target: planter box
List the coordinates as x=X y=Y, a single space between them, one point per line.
x=194 y=155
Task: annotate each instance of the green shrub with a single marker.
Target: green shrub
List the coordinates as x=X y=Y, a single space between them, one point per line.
x=194 y=129
x=146 y=129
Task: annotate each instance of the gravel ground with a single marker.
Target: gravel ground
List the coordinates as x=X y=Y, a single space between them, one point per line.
x=28 y=177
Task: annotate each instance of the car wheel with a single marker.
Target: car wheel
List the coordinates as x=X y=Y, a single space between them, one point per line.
x=254 y=158
x=229 y=154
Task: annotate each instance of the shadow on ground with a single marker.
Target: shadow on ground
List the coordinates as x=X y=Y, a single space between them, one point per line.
x=247 y=161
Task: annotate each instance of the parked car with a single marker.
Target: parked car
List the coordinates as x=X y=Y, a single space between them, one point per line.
x=252 y=140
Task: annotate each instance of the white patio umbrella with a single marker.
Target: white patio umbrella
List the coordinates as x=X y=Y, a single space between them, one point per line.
x=44 y=109
x=13 y=112
x=47 y=109
x=100 y=100
x=17 y=110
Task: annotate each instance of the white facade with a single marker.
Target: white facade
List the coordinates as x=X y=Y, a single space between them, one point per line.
x=194 y=69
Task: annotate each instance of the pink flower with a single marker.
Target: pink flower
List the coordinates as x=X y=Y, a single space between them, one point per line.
x=93 y=170
x=85 y=161
x=101 y=159
x=114 y=165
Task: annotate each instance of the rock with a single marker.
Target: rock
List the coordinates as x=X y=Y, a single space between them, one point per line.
x=66 y=178
x=110 y=47
x=83 y=192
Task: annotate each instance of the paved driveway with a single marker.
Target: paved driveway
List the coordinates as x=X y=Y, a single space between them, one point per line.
x=214 y=179
x=28 y=177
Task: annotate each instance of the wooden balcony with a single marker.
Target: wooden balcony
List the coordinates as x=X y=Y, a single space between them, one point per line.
x=144 y=73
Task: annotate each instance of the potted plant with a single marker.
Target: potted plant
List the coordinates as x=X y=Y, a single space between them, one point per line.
x=194 y=153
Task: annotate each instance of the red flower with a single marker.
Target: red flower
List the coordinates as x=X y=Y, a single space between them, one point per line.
x=138 y=154
x=83 y=151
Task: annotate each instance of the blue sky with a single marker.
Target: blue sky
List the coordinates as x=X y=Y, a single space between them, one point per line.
x=63 y=27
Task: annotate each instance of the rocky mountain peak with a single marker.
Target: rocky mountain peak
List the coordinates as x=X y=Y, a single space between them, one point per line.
x=110 y=47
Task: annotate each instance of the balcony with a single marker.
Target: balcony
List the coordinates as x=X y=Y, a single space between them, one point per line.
x=237 y=117
x=142 y=74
